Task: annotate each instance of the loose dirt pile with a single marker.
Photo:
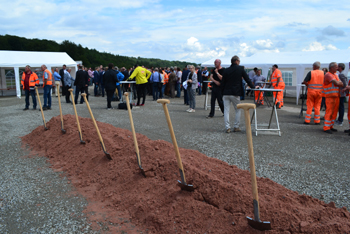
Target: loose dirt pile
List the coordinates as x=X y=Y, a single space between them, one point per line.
x=220 y=203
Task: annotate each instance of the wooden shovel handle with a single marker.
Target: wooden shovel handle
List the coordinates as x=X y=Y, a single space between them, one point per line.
x=59 y=103
x=132 y=125
x=246 y=107
x=75 y=111
x=173 y=138
x=41 y=108
x=93 y=120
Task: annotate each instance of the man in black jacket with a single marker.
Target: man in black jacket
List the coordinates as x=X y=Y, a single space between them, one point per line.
x=80 y=83
x=64 y=89
x=110 y=83
x=232 y=90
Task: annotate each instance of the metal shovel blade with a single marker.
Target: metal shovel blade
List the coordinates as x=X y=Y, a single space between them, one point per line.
x=140 y=166
x=262 y=226
x=256 y=222
x=81 y=139
x=107 y=154
x=183 y=185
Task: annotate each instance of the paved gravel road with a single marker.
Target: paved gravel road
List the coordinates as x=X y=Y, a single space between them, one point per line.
x=34 y=199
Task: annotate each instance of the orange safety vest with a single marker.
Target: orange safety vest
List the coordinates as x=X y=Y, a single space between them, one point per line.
x=33 y=80
x=316 y=82
x=331 y=90
x=166 y=77
x=277 y=73
x=49 y=79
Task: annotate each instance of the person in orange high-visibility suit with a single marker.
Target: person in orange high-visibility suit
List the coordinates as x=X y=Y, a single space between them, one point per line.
x=47 y=85
x=314 y=81
x=277 y=83
x=331 y=92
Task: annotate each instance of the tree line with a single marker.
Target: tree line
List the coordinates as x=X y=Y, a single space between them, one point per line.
x=89 y=57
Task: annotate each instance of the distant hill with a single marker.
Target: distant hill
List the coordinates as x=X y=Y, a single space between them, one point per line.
x=90 y=57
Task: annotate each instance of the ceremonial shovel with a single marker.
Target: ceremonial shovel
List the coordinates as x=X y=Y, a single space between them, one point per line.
x=183 y=185
x=134 y=135
x=41 y=108
x=256 y=222
x=98 y=131
x=59 y=103
x=76 y=117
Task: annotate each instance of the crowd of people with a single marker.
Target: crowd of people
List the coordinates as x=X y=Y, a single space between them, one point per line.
x=228 y=87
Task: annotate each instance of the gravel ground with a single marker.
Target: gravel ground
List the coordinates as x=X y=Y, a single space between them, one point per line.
x=34 y=199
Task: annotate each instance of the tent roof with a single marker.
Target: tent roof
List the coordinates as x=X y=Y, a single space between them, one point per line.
x=288 y=59
x=34 y=59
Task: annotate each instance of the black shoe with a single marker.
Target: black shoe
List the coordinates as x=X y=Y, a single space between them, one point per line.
x=347 y=131
x=317 y=123
x=44 y=108
x=26 y=109
x=334 y=130
x=49 y=108
x=306 y=123
x=209 y=117
x=328 y=131
x=278 y=105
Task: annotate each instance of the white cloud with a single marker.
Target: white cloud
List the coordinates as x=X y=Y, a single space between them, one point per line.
x=317 y=46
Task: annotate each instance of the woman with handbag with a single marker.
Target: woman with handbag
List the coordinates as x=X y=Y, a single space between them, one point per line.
x=192 y=83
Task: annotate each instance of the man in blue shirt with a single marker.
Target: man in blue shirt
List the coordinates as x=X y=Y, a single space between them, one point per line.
x=57 y=78
x=155 y=79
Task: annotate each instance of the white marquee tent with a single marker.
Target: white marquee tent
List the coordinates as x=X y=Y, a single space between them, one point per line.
x=301 y=62
x=20 y=59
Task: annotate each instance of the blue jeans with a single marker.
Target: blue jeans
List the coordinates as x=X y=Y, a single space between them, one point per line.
x=243 y=85
x=341 y=109
x=47 y=96
x=178 y=90
x=199 y=89
x=32 y=93
x=155 y=90
x=185 y=97
x=162 y=91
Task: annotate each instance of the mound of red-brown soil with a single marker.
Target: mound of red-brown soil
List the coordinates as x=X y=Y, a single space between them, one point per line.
x=220 y=203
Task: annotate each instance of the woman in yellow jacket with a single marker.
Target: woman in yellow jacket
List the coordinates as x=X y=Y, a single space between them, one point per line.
x=141 y=76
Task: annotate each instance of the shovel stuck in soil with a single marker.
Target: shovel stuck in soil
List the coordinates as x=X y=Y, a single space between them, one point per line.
x=183 y=185
x=41 y=108
x=76 y=116
x=98 y=131
x=134 y=134
x=256 y=222
x=59 y=103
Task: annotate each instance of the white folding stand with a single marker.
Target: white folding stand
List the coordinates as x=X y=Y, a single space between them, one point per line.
x=131 y=89
x=274 y=110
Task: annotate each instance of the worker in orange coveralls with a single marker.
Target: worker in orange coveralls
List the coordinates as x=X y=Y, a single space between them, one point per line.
x=314 y=81
x=331 y=91
x=277 y=83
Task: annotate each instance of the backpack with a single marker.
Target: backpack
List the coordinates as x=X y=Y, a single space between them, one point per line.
x=123 y=106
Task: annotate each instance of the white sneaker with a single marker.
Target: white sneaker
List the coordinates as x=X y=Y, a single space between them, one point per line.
x=192 y=110
x=338 y=123
x=189 y=110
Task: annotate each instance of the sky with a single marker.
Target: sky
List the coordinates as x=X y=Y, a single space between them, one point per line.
x=185 y=30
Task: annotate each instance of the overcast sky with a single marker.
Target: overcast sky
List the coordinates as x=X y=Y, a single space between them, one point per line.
x=190 y=30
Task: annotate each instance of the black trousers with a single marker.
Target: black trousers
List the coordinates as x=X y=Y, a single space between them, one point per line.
x=77 y=91
x=216 y=95
x=67 y=93
x=109 y=97
x=141 y=92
